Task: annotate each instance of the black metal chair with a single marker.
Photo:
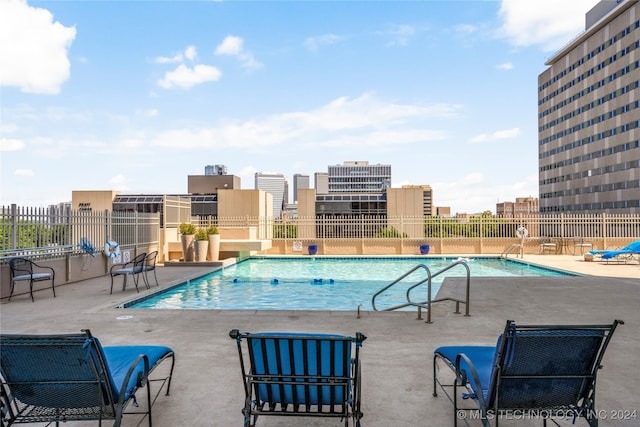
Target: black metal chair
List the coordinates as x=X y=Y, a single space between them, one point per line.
x=297 y=374
x=134 y=268
x=23 y=270
x=72 y=377
x=547 y=370
x=150 y=265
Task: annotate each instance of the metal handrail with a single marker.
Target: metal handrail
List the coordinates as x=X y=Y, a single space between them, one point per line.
x=510 y=249
x=427 y=304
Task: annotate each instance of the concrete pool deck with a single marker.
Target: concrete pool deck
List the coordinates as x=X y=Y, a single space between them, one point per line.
x=396 y=358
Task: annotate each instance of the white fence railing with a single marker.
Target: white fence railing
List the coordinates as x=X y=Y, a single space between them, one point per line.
x=51 y=232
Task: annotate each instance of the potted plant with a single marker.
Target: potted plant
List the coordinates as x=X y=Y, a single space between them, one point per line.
x=202 y=245
x=214 y=243
x=187 y=232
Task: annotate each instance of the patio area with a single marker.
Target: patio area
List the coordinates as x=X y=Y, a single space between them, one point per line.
x=396 y=357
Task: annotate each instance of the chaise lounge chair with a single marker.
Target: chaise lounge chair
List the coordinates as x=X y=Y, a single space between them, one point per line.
x=545 y=370
x=625 y=253
x=296 y=374
x=72 y=377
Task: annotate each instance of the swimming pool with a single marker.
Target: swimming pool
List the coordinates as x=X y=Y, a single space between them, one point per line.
x=321 y=283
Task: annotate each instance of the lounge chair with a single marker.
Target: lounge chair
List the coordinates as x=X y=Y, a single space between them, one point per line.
x=326 y=376
x=72 y=377
x=23 y=270
x=624 y=254
x=546 y=370
x=631 y=247
x=133 y=268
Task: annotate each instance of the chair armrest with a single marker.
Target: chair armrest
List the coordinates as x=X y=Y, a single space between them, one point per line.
x=139 y=381
x=119 y=266
x=460 y=374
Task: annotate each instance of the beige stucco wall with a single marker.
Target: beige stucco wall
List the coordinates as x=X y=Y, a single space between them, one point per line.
x=95 y=200
x=210 y=184
x=240 y=203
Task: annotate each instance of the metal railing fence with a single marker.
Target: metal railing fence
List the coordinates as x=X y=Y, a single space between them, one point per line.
x=47 y=231
x=51 y=232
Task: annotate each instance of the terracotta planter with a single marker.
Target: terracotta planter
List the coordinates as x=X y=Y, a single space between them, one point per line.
x=214 y=247
x=202 y=247
x=188 y=247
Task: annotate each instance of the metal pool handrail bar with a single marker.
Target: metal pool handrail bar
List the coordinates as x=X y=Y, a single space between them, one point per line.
x=427 y=304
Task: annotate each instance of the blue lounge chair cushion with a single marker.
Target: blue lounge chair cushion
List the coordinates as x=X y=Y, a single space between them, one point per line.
x=633 y=247
x=290 y=350
x=482 y=357
x=120 y=358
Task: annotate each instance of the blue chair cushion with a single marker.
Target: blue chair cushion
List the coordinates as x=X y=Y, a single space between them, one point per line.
x=482 y=357
x=120 y=358
x=265 y=360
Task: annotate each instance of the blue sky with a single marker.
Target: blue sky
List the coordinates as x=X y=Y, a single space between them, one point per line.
x=135 y=96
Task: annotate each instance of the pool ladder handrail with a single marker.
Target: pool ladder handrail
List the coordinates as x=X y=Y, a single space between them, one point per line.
x=510 y=249
x=427 y=304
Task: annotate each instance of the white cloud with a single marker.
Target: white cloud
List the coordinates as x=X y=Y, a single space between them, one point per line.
x=233 y=46
x=147 y=113
x=8 y=144
x=185 y=77
x=401 y=34
x=506 y=66
x=23 y=172
x=314 y=43
x=500 y=134
x=33 y=48
x=364 y=122
x=549 y=23
x=190 y=53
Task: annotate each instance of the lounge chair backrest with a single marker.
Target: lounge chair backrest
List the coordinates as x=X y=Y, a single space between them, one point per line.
x=63 y=374
x=304 y=374
x=543 y=367
x=324 y=359
x=634 y=247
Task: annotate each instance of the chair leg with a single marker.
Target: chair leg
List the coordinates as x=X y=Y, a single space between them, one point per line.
x=53 y=288
x=13 y=284
x=31 y=290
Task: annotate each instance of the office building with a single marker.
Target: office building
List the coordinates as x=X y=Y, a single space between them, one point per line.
x=300 y=181
x=589 y=117
x=276 y=185
x=321 y=182
x=215 y=170
x=427 y=198
x=359 y=177
x=522 y=206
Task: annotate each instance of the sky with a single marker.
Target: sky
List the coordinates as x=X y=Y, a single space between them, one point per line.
x=134 y=96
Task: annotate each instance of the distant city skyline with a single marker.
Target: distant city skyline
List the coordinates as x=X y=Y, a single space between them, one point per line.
x=136 y=96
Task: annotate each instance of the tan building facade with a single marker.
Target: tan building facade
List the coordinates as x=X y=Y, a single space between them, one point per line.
x=522 y=206
x=589 y=117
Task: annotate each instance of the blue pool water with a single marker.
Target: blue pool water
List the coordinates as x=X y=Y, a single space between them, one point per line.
x=318 y=283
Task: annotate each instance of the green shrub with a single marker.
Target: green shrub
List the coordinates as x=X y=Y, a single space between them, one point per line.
x=212 y=230
x=201 y=234
x=187 y=229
